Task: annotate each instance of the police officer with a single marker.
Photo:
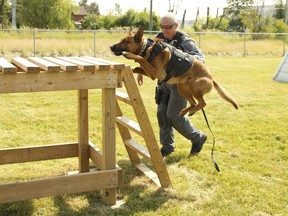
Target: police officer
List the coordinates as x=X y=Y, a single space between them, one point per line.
x=169 y=101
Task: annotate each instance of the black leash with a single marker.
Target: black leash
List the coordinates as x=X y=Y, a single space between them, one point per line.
x=212 y=152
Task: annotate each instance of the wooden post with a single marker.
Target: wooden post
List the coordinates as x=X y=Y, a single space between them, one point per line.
x=83 y=131
x=109 y=139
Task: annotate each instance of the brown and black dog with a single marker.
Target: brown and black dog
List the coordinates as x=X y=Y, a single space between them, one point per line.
x=192 y=85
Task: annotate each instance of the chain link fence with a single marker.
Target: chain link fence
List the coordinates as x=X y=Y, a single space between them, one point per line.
x=97 y=43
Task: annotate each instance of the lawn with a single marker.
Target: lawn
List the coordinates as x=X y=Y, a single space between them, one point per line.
x=251 y=149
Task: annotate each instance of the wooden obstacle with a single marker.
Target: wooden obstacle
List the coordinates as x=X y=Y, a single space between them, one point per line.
x=81 y=73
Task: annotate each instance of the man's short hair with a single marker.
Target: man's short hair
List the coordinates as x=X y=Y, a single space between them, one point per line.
x=170 y=16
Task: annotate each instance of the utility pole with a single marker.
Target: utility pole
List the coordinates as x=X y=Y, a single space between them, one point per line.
x=14 y=2
x=286 y=12
x=151 y=20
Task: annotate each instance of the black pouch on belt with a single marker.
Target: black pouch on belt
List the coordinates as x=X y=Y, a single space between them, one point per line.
x=158 y=95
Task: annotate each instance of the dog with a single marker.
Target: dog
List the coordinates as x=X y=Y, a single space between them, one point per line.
x=193 y=83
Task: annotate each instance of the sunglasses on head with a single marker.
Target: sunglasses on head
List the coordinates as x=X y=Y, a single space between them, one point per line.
x=167 y=26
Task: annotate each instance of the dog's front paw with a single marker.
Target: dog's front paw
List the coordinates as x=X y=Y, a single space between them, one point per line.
x=128 y=55
x=182 y=113
x=191 y=113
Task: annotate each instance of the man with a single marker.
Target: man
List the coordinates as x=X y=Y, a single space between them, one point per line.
x=170 y=102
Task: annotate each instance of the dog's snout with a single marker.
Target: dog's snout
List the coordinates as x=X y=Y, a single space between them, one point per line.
x=115 y=49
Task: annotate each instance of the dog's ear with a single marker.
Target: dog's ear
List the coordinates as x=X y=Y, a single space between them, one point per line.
x=138 y=36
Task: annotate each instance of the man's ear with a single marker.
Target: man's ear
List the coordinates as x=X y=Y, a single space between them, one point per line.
x=138 y=36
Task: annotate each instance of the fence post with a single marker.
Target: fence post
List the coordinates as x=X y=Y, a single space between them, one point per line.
x=244 y=52
x=199 y=40
x=94 y=43
x=284 y=44
x=34 y=38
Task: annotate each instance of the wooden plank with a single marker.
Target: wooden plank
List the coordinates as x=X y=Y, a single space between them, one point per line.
x=98 y=65
x=81 y=65
x=25 y=65
x=44 y=64
x=123 y=97
x=140 y=149
x=60 y=185
x=95 y=155
x=130 y=124
x=114 y=65
x=83 y=131
x=32 y=82
x=7 y=67
x=37 y=153
x=64 y=65
x=109 y=138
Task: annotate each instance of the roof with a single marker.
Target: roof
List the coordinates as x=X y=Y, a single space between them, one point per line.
x=81 y=11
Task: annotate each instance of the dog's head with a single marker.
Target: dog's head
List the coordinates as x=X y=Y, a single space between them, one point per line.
x=130 y=43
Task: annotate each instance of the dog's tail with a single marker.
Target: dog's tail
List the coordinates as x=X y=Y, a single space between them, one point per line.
x=221 y=91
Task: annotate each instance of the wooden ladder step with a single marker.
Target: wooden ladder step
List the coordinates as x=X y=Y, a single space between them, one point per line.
x=130 y=124
x=123 y=97
x=137 y=147
x=149 y=173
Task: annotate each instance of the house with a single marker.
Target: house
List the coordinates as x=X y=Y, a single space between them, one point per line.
x=79 y=15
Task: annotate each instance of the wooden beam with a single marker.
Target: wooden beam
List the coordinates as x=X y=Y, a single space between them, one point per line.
x=36 y=153
x=95 y=155
x=109 y=139
x=44 y=81
x=60 y=185
x=83 y=131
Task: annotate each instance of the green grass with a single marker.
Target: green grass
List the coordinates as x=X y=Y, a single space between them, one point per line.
x=251 y=149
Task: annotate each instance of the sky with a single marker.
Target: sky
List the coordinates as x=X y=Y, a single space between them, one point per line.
x=160 y=7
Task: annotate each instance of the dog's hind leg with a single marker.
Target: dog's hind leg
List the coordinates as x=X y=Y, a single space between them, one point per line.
x=201 y=104
x=184 y=90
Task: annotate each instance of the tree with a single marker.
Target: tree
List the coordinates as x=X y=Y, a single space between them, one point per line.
x=5 y=13
x=134 y=18
x=279 y=12
x=174 y=7
x=43 y=14
x=91 y=21
x=233 y=13
x=93 y=8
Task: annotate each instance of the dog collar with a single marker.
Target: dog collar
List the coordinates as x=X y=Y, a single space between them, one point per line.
x=147 y=43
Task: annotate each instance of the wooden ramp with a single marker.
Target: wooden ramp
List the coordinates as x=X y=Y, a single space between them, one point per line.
x=143 y=128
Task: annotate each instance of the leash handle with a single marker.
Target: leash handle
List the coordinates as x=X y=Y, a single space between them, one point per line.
x=212 y=151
